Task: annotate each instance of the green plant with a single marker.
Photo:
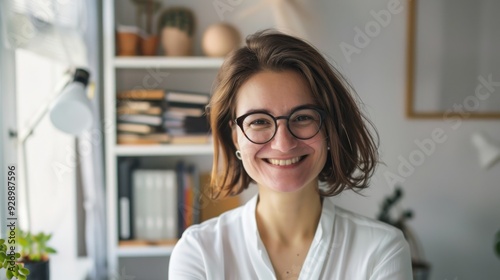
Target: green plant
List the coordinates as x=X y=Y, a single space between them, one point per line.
x=8 y=260
x=178 y=17
x=34 y=246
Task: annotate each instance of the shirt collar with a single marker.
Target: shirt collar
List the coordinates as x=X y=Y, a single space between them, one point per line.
x=320 y=247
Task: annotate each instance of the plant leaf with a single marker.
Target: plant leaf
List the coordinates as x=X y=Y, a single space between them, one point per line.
x=24 y=271
x=50 y=250
x=23 y=242
x=9 y=274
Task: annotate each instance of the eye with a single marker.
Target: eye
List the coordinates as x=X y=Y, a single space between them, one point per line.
x=304 y=118
x=259 y=123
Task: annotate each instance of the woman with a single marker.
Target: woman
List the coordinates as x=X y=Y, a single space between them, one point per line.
x=284 y=119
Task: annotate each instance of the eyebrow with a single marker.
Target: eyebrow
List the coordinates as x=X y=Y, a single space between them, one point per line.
x=268 y=112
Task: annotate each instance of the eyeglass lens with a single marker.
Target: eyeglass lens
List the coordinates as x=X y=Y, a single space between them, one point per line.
x=261 y=127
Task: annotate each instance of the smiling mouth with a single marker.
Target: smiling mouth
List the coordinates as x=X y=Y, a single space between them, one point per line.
x=285 y=162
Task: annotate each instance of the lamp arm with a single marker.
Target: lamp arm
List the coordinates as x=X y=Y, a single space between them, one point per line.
x=26 y=133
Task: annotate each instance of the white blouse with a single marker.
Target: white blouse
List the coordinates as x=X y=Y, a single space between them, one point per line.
x=345 y=246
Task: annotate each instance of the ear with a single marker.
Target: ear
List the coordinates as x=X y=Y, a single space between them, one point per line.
x=234 y=134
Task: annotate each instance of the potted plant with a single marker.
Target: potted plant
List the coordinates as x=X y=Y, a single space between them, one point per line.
x=8 y=261
x=420 y=267
x=148 y=40
x=32 y=258
x=35 y=253
x=176 y=26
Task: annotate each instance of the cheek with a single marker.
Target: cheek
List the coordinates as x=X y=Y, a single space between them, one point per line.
x=247 y=148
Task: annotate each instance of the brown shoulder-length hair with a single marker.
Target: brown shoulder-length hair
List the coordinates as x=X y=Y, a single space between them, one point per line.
x=353 y=152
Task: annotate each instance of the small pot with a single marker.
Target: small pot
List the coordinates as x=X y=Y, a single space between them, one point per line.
x=176 y=42
x=127 y=40
x=149 y=45
x=127 y=44
x=38 y=270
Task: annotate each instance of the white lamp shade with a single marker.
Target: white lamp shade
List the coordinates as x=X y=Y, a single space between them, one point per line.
x=72 y=112
x=489 y=154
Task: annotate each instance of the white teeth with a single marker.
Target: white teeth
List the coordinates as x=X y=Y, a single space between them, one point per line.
x=284 y=162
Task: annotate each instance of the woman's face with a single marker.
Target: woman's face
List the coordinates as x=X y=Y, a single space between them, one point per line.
x=284 y=164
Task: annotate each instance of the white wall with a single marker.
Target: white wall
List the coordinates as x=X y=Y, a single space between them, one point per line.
x=455 y=201
x=50 y=156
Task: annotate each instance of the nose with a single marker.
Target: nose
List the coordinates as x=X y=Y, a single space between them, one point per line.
x=283 y=140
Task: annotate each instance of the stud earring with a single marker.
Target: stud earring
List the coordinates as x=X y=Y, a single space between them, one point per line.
x=328 y=148
x=238 y=154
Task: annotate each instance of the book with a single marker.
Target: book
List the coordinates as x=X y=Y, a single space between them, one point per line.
x=147 y=206
x=125 y=168
x=135 y=128
x=186 y=125
x=187 y=97
x=152 y=110
x=188 y=202
x=195 y=175
x=196 y=124
x=179 y=171
x=181 y=112
x=188 y=196
x=190 y=139
x=139 y=204
x=169 y=204
x=155 y=205
x=141 y=119
x=137 y=139
x=134 y=104
x=141 y=94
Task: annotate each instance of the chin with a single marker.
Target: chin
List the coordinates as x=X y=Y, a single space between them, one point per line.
x=287 y=187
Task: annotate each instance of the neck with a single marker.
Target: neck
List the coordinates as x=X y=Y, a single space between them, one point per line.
x=288 y=218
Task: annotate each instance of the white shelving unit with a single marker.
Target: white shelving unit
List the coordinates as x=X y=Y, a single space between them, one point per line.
x=170 y=63
x=127 y=72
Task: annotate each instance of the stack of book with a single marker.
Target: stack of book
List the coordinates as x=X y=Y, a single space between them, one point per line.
x=157 y=205
x=184 y=117
x=160 y=117
x=139 y=116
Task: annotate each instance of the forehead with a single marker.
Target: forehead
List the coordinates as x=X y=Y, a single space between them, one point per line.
x=275 y=92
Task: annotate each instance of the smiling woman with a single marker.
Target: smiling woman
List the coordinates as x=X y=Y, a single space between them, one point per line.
x=284 y=119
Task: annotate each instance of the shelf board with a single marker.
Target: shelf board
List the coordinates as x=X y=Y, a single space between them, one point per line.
x=163 y=150
x=188 y=62
x=141 y=249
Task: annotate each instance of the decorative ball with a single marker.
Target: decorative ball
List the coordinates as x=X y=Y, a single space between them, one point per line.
x=219 y=39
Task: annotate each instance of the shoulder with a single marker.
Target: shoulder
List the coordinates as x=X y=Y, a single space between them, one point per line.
x=226 y=223
x=380 y=247
x=201 y=246
x=367 y=234
x=368 y=227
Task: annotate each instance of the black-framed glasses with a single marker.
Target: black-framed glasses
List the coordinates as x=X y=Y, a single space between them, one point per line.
x=260 y=127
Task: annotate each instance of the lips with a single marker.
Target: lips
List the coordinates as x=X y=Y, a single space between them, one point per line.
x=284 y=162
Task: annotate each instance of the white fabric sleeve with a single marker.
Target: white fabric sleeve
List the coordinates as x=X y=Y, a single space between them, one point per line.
x=186 y=261
x=395 y=259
